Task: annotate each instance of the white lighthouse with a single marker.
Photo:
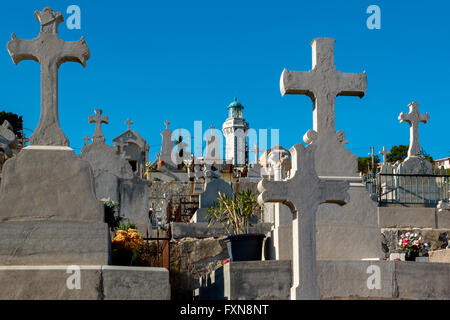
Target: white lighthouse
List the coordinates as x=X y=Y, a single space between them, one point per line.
x=235 y=131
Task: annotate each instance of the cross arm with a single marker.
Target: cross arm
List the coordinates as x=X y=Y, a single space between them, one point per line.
x=290 y=80
x=274 y=191
x=352 y=84
x=424 y=117
x=20 y=49
x=404 y=117
x=75 y=51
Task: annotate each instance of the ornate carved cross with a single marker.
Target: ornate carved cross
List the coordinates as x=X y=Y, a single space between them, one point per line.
x=98 y=120
x=414 y=117
x=303 y=192
x=50 y=51
x=323 y=84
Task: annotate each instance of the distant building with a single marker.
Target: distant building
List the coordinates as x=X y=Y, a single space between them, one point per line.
x=445 y=162
x=235 y=131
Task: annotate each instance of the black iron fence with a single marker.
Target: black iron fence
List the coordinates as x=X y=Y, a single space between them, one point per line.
x=423 y=189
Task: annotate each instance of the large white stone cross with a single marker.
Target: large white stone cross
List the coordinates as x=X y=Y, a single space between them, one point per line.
x=414 y=117
x=50 y=51
x=323 y=84
x=385 y=154
x=303 y=192
x=98 y=120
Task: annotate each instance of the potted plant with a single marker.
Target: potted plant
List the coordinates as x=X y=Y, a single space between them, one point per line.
x=411 y=244
x=235 y=214
x=127 y=246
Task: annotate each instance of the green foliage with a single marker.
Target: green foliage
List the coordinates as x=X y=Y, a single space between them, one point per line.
x=234 y=213
x=127 y=226
x=398 y=153
x=111 y=218
x=15 y=120
x=364 y=163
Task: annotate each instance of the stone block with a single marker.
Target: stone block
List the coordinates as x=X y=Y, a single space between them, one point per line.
x=135 y=283
x=443 y=219
x=201 y=230
x=442 y=256
x=406 y=217
x=54 y=242
x=349 y=232
x=134 y=202
x=349 y=279
x=424 y=281
x=49 y=283
x=48 y=185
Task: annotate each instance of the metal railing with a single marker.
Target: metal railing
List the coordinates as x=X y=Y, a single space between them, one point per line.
x=421 y=189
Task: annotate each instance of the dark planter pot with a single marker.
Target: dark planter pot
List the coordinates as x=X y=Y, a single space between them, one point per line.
x=411 y=256
x=245 y=247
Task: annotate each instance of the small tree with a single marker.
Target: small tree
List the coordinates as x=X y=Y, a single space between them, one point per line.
x=234 y=213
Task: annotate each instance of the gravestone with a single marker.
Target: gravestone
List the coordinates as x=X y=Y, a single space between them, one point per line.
x=213 y=185
x=411 y=185
x=303 y=192
x=7 y=138
x=349 y=232
x=387 y=182
x=46 y=192
x=114 y=177
x=167 y=146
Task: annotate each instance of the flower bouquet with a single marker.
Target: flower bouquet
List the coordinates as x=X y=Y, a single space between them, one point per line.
x=127 y=246
x=412 y=245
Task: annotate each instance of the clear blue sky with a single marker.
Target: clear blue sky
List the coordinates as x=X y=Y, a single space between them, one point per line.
x=186 y=60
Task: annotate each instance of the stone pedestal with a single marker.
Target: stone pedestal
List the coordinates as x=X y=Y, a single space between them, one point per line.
x=97 y=282
x=48 y=184
x=349 y=232
x=54 y=242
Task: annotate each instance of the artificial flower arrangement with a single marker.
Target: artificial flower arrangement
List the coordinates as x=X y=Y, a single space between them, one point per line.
x=127 y=245
x=412 y=244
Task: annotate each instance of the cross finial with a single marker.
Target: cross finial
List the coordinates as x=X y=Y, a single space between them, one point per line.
x=98 y=120
x=414 y=117
x=129 y=123
x=167 y=123
x=86 y=140
x=50 y=51
x=212 y=129
x=385 y=153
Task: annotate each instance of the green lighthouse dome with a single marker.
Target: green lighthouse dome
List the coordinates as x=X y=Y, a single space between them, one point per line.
x=235 y=109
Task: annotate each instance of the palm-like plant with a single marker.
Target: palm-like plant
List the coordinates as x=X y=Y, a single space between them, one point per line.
x=234 y=213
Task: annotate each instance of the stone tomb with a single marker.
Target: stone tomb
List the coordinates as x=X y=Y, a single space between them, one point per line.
x=50 y=218
x=114 y=177
x=349 y=232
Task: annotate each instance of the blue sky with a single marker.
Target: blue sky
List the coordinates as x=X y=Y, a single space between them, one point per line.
x=187 y=60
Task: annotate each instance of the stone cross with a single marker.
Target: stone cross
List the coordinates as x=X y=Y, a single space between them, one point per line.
x=303 y=192
x=384 y=153
x=98 y=120
x=256 y=151
x=86 y=140
x=323 y=84
x=50 y=51
x=129 y=123
x=414 y=117
x=167 y=144
x=167 y=123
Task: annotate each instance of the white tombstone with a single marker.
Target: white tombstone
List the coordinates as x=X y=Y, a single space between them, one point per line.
x=350 y=232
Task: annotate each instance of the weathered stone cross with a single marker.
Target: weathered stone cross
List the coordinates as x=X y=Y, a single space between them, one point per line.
x=167 y=123
x=50 y=51
x=323 y=84
x=303 y=192
x=414 y=117
x=98 y=120
x=86 y=140
x=129 y=123
x=384 y=153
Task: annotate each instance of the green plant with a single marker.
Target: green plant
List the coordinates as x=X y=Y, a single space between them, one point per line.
x=111 y=218
x=234 y=213
x=127 y=226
